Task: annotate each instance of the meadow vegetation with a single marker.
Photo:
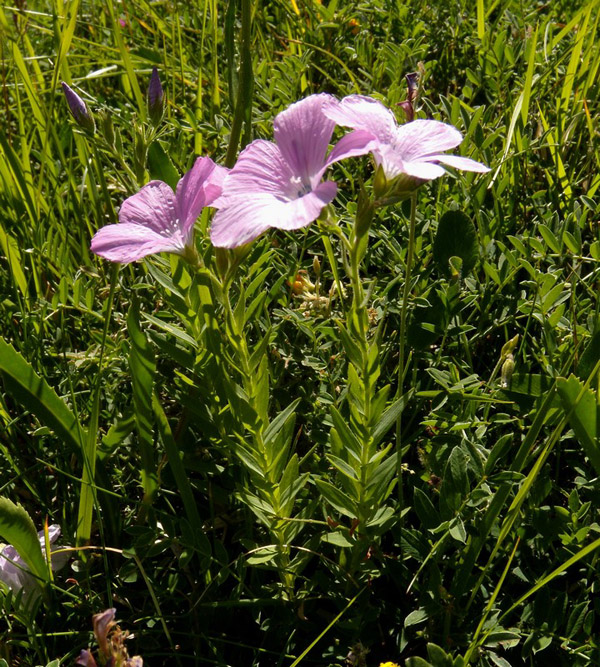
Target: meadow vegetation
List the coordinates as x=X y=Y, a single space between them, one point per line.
x=373 y=439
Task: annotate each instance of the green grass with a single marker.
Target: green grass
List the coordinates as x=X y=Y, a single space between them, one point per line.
x=121 y=417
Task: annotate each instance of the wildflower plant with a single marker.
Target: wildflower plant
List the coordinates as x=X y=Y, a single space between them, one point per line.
x=290 y=369
x=279 y=185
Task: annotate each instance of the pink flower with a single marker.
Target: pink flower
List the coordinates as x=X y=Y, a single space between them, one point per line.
x=279 y=184
x=14 y=572
x=415 y=148
x=156 y=219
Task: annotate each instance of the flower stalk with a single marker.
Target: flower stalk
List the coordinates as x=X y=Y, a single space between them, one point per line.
x=402 y=365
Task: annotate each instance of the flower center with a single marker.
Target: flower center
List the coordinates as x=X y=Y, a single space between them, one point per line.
x=299 y=187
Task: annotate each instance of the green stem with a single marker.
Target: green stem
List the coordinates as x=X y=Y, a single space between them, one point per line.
x=402 y=366
x=359 y=327
x=243 y=104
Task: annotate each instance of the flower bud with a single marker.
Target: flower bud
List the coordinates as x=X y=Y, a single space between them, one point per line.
x=509 y=347
x=316 y=266
x=155 y=98
x=380 y=183
x=79 y=109
x=507 y=370
x=408 y=109
x=222 y=261
x=364 y=216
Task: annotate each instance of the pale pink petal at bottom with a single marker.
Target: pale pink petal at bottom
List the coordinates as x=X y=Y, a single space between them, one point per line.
x=241 y=220
x=126 y=242
x=393 y=166
x=459 y=162
x=422 y=138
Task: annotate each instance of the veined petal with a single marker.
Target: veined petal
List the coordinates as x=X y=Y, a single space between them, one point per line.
x=354 y=143
x=260 y=168
x=127 y=242
x=422 y=138
x=302 y=133
x=154 y=207
x=459 y=162
x=363 y=113
x=242 y=219
x=304 y=210
x=200 y=186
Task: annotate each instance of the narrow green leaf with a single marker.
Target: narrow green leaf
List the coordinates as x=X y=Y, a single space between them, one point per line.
x=34 y=393
x=388 y=419
x=10 y=249
x=581 y=406
x=179 y=474
x=337 y=499
x=142 y=367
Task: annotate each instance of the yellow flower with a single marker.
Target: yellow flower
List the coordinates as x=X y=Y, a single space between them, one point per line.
x=388 y=664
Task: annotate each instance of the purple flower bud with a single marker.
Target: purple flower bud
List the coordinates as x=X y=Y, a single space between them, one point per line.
x=79 y=109
x=102 y=623
x=155 y=98
x=86 y=659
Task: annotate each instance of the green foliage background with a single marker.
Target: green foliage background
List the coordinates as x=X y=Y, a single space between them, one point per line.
x=491 y=553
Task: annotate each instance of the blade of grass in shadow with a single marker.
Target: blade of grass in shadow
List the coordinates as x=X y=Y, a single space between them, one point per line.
x=142 y=367
x=514 y=510
x=10 y=249
x=131 y=77
x=490 y=604
x=309 y=648
x=178 y=469
x=462 y=580
x=540 y=584
x=243 y=102
x=87 y=499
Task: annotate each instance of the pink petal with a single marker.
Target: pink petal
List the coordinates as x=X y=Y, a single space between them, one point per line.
x=260 y=168
x=242 y=219
x=154 y=206
x=363 y=113
x=306 y=209
x=53 y=534
x=302 y=133
x=420 y=169
x=128 y=242
x=200 y=186
x=359 y=142
x=422 y=138
x=459 y=162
